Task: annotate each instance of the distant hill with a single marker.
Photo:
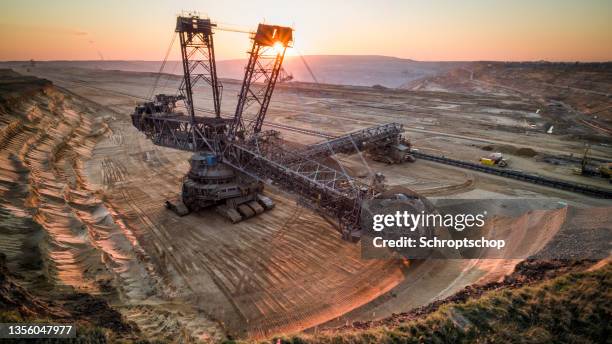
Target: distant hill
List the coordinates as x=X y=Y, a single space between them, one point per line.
x=358 y=70
x=582 y=87
x=575 y=97
x=353 y=70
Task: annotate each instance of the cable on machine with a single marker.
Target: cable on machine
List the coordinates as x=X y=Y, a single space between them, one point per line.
x=161 y=68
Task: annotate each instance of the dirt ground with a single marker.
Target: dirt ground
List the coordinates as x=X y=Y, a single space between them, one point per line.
x=97 y=188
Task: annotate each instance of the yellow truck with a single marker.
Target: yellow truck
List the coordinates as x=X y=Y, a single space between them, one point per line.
x=494 y=159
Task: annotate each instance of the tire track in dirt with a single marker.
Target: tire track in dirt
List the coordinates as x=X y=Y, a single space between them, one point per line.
x=308 y=264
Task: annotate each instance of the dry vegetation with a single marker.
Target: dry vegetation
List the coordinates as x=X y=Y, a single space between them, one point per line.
x=572 y=308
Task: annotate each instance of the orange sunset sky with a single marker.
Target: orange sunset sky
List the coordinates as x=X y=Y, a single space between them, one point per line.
x=421 y=30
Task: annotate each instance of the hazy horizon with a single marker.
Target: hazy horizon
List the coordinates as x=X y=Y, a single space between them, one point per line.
x=356 y=70
x=310 y=55
x=475 y=30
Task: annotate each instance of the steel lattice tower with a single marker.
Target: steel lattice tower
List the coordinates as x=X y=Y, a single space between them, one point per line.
x=270 y=43
x=198 y=57
x=233 y=158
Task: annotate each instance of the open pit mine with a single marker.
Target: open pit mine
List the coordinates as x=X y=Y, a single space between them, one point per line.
x=186 y=216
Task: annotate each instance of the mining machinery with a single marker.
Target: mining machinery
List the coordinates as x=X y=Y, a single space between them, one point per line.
x=233 y=157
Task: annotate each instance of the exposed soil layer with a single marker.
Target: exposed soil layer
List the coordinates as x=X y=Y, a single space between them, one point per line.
x=57 y=232
x=574 y=97
x=525 y=273
x=81 y=176
x=82 y=207
x=64 y=307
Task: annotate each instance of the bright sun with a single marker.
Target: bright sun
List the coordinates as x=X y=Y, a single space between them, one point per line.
x=278 y=48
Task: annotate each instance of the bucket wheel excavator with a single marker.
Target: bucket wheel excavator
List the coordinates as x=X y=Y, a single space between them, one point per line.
x=233 y=157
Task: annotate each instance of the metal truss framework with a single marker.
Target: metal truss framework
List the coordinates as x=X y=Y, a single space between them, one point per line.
x=240 y=143
x=331 y=192
x=261 y=75
x=182 y=132
x=356 y=141
x=198 y=57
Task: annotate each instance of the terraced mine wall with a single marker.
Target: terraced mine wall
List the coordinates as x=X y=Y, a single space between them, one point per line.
x=57 y=232
x=82 y=207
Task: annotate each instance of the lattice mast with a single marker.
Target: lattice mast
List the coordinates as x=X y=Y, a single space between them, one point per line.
x=198 y=59
x=270 y=43
x=230 y=150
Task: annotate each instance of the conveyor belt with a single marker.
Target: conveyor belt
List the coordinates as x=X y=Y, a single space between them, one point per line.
x=522 y=176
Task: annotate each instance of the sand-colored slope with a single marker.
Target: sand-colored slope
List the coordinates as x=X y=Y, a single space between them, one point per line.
x=50 y=213
x=285 y=270
x=532 y=228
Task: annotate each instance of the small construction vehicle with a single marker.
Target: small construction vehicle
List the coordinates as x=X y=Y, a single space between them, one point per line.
x=586 y=168
x=393 y=153
x=494 y=159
